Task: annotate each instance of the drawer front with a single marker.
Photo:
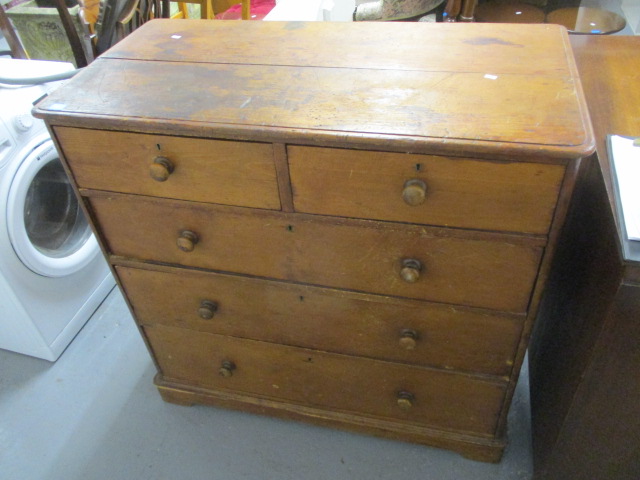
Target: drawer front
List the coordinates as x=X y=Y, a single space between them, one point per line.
x=438 y=399
x=359 y=255
x=425 y=189
x=323 y=319
x=216 y=171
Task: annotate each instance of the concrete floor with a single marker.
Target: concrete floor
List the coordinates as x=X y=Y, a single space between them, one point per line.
x=95 y=414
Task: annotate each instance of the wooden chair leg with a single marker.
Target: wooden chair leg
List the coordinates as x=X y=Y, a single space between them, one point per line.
x=17 y=50
x=183 y=9
x=72 y=34
x=467 y=12
x=206 y=10
x=246 y=9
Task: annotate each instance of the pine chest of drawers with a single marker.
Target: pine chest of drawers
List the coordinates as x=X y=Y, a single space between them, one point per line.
x=349 y=224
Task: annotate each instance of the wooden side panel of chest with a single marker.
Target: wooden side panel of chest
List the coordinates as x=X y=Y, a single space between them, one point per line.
x=331 y=239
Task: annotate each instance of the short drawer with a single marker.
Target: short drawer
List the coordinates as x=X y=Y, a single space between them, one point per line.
x=216 y=171
x=425 y=189
x=324 y=319
x=339 y=382
x=441 y=265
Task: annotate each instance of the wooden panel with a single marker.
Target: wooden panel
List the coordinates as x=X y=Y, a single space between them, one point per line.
x=359 y=255
x=611 y=80
x=232 y=173
x=609 y=69
x=513 y=109
x=444 y=400
x=603 y=416
x=461 y=192
x=474 y=447
x=584 y=356
x=497 y=49
x=324 y=319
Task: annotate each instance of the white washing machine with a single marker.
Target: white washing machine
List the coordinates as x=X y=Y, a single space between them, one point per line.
x=52 y=274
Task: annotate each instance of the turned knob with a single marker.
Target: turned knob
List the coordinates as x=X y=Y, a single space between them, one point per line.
x=187 y=241
x=405 y=400
x=160 y=169
x=410 y=271
x=207 y=309
x=227 y=368
x=414 y=192
x=408 y=339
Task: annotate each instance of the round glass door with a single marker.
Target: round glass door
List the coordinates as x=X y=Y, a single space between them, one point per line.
x=47 y=227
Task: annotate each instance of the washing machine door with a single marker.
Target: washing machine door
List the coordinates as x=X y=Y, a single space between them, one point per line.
x=46 y=225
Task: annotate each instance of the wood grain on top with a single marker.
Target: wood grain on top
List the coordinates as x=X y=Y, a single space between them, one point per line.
x=478 y=84
x=386 y=45
x=612 y=82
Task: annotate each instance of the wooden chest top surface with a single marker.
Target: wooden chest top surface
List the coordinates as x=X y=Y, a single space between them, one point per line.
x=475 y=86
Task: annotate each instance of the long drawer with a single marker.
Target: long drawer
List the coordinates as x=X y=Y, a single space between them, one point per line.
x=426 y=189
x=376 y=388
x=416 y=262
x=325 y=319
x=216 y=171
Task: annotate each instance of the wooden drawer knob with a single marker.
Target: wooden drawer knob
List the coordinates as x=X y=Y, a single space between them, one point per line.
x=405 y=400
x=227 y=368
x=410 y=271
x=187 y=241
x=408 y=339
x=207 y=309
x=160 y=169
x=414 y=192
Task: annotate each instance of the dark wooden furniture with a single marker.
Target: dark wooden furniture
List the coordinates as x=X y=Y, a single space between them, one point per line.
x=584 y=354
x=332 y=222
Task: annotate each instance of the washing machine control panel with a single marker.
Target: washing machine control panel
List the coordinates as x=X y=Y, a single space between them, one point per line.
x=16 y=131
x=17 y=126
x=23 y=122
